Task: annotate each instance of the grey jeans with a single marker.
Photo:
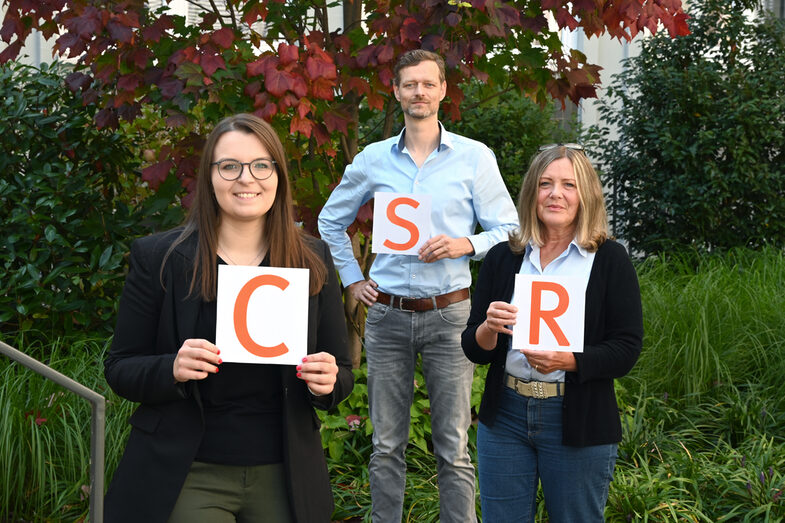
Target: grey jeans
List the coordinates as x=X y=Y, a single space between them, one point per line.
x=393 y=340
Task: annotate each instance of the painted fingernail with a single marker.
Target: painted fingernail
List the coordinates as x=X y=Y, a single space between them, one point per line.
x=299 y=375
x=220 y=361
x=305 y=359
x=299 y=367
x=216 y=370
x=219 y=351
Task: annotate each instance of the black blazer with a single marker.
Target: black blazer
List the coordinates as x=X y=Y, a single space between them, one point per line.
x=613 y=337
x=166 y=429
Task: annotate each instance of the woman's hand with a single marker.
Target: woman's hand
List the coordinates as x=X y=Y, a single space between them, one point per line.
x=546 y=361
x=501 y=314
x=195 y=360
x=319 y=372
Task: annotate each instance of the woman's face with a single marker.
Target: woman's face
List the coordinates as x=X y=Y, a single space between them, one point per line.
x=557 y=197
x=246 y=198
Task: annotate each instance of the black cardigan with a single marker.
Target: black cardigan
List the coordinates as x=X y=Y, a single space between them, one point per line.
x=613 y=337
x=166 y=429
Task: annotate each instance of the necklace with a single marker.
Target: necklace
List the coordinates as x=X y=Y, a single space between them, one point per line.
x=255 y=261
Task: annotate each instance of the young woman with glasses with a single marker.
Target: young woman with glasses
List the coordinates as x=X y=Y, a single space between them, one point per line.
x=550 y=417
x=241 y=444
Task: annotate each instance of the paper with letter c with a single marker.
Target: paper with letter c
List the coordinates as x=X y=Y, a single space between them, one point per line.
x=262 y=314
x=550 y=313
x=401 y=222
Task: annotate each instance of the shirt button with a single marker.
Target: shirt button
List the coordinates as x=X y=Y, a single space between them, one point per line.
x=413 y=276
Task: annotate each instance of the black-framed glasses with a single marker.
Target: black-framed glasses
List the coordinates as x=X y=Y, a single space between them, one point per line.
x=230 y=170
x=573 y=146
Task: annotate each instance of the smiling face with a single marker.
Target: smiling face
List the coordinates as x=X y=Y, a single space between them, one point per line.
x=558 y=200
x=246 y=198
x=420 y=90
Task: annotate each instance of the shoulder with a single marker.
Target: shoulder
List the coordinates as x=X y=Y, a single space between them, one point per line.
x=317 y=245
x=464 y=143
x=500 y=253
x=154 y=248
x=611 y=251
x=380 y=147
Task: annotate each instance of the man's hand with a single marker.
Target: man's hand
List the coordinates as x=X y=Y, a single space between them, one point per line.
x=364 y=291
x=442 y=246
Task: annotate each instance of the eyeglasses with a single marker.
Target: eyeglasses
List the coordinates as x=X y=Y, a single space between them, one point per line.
x=573 y=146
x=230 y=170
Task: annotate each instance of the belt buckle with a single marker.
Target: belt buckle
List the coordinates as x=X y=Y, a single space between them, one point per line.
x=538 y=390
x=400 y=304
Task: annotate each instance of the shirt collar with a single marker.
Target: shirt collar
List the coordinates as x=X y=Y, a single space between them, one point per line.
x=573 y=245
x=445 y=139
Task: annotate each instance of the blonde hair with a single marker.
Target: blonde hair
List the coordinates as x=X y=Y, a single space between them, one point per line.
x=592 y=219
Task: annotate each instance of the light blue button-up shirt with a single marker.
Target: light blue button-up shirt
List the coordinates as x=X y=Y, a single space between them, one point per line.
x=574 y=261
x=466 y=188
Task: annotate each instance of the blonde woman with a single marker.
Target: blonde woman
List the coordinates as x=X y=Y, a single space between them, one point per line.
x=551 y=417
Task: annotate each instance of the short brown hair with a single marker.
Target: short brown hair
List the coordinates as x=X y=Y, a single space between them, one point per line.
x=592 y=228
x=414 y=57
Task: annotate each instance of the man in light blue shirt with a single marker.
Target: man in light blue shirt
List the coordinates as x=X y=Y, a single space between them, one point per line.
x=419 y=304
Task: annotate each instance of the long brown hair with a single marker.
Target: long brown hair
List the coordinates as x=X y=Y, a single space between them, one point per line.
x=287 y=247
x=592 y=227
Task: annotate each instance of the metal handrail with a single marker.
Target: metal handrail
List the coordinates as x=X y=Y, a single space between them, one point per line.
x=97 y=424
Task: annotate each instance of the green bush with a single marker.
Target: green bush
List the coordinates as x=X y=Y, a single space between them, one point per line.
x=513 y=126
x=69 y=205
x=700 y=157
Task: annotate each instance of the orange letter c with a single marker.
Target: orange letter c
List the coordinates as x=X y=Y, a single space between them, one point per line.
x=241 y=316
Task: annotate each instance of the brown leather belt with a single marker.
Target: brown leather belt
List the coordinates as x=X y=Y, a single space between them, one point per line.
x=422 y=304
x=534 y=389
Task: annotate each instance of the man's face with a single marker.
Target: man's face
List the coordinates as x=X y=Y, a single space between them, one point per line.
x=420 y=90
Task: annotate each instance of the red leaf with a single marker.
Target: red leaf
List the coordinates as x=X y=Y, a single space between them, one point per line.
x=261 y=66
x=170 y=87
x=357 y=85
x=288 y=100
x=106 y=119
x=155 y=174
x=288 y=53
x=300 y=88
x=322 y=89
x=252 y=88
x=119 y=32
x=256 y=12
x=140 y=57
x=87 y=25
x=223 y=37
x=453 y=19
x=304 y=107
x=318 y=68
x=321 y=134
x=385 y=54
x=375 y=100
x=411 y=30
x=335 y=121
x=129 y=82
x=154 y=32
x=366 y=56
x=278 y=82
x=78 y=81
x=386 y=76
x=10 y=28
x=268 y=111
x=211 y=63
x=176 y=119
x=301 y=125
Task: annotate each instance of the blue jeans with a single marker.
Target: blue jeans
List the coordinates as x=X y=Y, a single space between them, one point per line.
x=524 y=447
x=393 y=339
